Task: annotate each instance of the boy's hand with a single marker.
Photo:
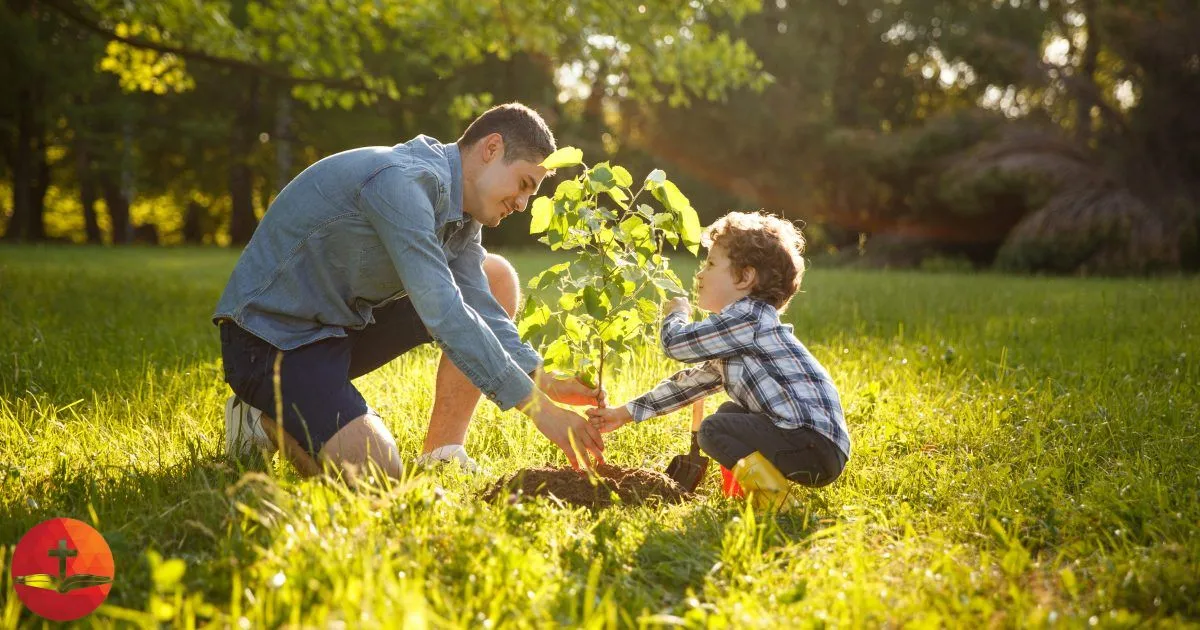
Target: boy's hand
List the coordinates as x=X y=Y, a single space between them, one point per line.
x=609 y=419
x=680 y=304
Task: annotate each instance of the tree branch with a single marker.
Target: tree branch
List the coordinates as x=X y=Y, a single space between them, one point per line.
x=68 y=10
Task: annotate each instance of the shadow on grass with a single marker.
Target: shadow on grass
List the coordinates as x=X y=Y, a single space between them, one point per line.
x=719 y=544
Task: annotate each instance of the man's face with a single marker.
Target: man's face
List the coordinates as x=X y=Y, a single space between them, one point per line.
x=503 y=188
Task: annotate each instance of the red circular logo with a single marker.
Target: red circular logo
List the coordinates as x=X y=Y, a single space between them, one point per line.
x=62 y=569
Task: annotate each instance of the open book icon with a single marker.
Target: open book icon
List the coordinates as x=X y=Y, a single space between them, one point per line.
x=67 y=584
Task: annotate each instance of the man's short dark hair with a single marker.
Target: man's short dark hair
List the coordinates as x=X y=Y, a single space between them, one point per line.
x=526 y=135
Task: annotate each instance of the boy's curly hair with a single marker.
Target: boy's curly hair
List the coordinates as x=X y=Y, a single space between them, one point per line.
x=772 y=246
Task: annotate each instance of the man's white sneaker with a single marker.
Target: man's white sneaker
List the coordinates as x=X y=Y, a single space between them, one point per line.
x=244 y=434
x=450 y=453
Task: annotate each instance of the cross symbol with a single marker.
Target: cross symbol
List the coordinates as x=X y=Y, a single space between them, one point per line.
x=62 y=553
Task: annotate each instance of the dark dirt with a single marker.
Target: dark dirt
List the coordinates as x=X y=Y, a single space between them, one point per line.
x=631 y=485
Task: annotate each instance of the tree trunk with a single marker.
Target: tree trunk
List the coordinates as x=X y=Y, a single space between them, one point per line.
x=22 y=169
x=283 y=140
x=87 y=188
x=118 y=208
x=1091 y=53
x=241 y=177
x=36 y=227
x=193 y=223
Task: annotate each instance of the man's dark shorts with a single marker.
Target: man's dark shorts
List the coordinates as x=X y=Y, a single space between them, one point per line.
x=314 y=380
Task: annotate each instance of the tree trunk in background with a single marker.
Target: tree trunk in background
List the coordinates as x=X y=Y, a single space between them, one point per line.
x=118 y=208
x=22 y=169
x=1091 y=54
x=241 y=177
x=283 y=140
x=193 y=223
x=35 y=229
x=87 y=188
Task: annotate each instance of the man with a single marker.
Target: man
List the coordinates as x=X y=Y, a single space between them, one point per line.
x=367 y=254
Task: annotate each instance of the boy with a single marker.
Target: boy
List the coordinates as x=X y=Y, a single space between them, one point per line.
x=785 y=421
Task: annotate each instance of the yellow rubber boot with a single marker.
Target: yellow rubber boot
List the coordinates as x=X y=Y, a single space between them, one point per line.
x=767 y=487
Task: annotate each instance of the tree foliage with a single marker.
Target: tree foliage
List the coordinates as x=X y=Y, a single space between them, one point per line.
x=602 y=306
x=875 y=102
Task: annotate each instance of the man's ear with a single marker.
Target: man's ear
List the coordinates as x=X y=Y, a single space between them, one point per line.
x=748 y=277
x=493 y=147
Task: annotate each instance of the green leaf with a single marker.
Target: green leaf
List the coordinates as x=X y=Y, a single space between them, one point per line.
x=558 y=354
x=674 y=278
x=567 y=301
x=600 y=178
x=667 y=285
x=618 y=196
x=622 y=176
x=569 y=189
x=670 y=195
x=636 y=228
x=548 y=278
x=657 y=176
x=539 y=215
x=615 y=291
x=691 y=230
x=566 y=156
x=615 y=330
x=532 y=322
x=672 y=237
x=647 y=311
x=587 y=376
x=593 y=301
x=575 y=328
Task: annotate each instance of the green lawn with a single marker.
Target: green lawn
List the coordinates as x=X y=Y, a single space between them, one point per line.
x=1026 y=452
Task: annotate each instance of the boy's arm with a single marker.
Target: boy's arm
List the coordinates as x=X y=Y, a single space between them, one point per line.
x=677 y=391
x=718 y=336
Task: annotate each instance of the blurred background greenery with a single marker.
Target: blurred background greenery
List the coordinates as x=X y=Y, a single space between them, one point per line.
x=1025 y=135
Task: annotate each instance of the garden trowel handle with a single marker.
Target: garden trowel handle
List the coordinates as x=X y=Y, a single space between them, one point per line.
x=697 y=414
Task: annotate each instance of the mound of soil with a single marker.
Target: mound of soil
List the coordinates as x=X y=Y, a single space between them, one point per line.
x=631 y=485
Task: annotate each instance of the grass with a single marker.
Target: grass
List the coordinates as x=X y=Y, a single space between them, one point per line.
x=1025 y=454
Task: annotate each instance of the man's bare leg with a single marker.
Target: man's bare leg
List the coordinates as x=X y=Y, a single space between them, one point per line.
x=455 y=397
x=365 y=439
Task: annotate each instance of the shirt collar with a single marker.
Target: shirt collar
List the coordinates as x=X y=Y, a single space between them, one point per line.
x=454 y=157
x=754 y=305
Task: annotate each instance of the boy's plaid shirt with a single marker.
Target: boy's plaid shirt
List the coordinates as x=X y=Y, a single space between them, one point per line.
x=758 y=360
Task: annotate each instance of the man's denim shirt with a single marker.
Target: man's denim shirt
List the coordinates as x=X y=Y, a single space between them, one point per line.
x=368 y=226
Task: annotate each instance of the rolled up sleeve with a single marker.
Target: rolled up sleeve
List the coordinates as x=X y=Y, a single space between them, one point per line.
x=399 y=203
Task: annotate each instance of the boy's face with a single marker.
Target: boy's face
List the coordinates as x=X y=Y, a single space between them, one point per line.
x=716 y=284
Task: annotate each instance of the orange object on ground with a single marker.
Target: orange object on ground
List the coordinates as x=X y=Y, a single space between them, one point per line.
x=729 y=485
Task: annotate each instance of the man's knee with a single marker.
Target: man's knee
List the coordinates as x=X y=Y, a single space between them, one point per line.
x=364 y=442
x=504 y=282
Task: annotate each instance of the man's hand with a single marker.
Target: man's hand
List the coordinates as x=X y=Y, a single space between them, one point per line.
x=680 y=304
x=611 y=419
x=566 y=429
x=570 y=390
